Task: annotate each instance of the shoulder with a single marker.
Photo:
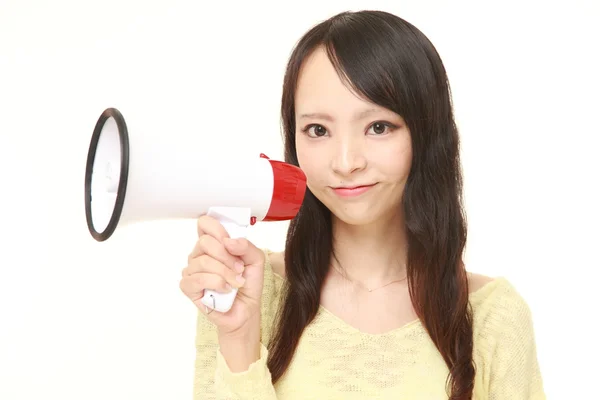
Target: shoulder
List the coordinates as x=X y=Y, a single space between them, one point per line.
x=478 y=281
x=277 y=262
x=500 y=313
x=504 y=342
x=274 y=272
x=496 y=302
x=495 y=296
x=272 y=291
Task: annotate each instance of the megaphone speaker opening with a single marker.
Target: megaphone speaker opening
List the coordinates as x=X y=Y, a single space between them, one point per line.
x=106 y=174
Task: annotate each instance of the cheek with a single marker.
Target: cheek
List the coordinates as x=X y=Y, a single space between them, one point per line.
x=312 y=164
x=396 y=162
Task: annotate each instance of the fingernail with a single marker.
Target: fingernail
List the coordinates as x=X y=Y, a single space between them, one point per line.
x=240 y=279
x=239 y=266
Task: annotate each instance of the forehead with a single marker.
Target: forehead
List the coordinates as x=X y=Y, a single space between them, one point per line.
x=320 y=87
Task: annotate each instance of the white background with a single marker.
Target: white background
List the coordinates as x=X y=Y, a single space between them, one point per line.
x=86 y=320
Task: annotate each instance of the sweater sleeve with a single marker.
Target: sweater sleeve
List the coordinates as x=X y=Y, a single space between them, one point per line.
x=513 y=372
x=213 y=380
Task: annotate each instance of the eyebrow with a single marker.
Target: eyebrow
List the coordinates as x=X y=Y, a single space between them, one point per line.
x=327 y=117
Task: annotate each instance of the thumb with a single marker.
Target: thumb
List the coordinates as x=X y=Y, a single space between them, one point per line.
x=244 y=249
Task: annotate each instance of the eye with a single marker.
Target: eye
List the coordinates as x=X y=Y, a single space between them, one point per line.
x=380 y=128
x=315 y=130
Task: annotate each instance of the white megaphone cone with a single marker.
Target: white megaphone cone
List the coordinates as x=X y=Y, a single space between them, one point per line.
x=128 y=182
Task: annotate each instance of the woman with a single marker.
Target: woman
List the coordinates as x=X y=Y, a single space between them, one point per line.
x=371 y=298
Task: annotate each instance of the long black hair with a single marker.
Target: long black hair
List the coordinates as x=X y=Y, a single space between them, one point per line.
x=393 y=64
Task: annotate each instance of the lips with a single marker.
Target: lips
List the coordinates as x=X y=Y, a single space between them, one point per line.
x=353 y=187
x=351 y=191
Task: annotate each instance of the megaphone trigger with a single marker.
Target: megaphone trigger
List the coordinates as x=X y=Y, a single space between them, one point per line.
x=235 y=220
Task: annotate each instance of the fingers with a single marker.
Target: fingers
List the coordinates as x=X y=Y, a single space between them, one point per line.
x=211 y=246
x=194 y=286
x=245 y=250
x=207 y=264
x=212 y=227
x=216 y=261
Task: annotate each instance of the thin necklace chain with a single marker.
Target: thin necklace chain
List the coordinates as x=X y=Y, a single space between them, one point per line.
x=366 y=288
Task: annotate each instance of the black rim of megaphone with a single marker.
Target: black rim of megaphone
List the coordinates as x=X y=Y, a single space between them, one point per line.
x=121 y=190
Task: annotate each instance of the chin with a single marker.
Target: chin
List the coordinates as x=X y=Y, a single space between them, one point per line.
x=357 y=214
x=354 y=220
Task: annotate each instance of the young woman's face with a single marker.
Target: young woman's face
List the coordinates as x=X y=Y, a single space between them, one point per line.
x=343 y=141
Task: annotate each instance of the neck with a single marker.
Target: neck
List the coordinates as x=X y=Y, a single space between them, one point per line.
x=373 y=254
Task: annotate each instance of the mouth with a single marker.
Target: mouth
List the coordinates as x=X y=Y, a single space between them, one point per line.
x=351 y=191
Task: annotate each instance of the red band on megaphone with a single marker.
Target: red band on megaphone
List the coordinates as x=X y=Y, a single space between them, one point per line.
x=289 y=187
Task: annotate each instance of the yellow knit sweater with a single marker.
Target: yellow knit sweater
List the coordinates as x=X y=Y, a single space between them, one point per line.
x=336 y=361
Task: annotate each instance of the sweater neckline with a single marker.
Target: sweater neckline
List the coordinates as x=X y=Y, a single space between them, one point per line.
x=474 y=297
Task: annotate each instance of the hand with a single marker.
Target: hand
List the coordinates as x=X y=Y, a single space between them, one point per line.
x=218 y=261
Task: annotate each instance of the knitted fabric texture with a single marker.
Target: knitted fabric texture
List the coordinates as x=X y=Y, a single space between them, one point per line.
x=336 y=361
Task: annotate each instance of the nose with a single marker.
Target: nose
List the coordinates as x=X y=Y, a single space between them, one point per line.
x=348 y=156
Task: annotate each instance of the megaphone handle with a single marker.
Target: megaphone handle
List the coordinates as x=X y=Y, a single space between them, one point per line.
x=235 y=220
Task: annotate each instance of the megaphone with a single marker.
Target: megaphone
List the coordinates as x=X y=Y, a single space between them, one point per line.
x=127 y=183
